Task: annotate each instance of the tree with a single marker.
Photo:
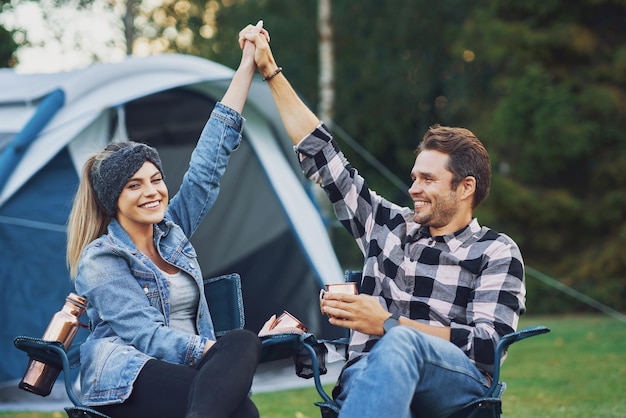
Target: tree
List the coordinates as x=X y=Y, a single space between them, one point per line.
x=393 y=63
x=548 y=80
x=42 y=29
x=326 y=59
x=7 y=48
x=541 y=82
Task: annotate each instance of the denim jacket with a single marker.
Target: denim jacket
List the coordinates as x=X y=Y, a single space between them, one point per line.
x=128 y=297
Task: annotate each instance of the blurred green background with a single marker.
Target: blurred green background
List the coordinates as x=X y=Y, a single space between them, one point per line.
x=541 y=82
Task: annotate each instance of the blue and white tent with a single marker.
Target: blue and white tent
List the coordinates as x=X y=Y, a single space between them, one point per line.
x=265 y=225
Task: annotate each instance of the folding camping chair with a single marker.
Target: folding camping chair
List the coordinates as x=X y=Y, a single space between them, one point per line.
x=225 y=300
x=488 y=406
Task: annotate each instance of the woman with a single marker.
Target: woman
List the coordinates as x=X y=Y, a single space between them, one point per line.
x=152 y=350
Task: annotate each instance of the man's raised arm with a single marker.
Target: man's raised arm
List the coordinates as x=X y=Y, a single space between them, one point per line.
x=298 y=119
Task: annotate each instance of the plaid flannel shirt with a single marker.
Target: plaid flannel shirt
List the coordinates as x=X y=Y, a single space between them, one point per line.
x=471 y=281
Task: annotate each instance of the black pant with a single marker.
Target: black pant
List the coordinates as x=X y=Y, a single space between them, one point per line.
x=218 y=386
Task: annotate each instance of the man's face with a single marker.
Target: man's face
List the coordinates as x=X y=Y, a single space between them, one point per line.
x=435 y=203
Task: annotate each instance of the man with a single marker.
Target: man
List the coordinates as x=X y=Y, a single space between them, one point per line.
x=438 y=290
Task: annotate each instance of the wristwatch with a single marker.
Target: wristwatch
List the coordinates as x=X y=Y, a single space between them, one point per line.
x=392 y=321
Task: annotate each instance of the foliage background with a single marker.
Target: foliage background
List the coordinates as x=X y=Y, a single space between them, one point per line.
x=541 y=82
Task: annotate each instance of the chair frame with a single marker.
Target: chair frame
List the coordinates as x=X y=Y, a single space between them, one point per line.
x=487 y=406
x=224 y=294
x=225 y=299
x=53 y=353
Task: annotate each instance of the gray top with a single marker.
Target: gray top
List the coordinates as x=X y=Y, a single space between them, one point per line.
x=184 y=295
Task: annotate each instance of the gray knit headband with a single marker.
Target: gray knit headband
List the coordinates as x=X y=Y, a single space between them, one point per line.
x=109 y=176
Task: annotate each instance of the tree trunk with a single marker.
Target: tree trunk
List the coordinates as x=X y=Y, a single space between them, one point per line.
x=326 y=75
x=129 y=25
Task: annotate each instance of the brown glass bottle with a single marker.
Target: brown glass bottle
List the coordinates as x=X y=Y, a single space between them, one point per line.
x=40 y=377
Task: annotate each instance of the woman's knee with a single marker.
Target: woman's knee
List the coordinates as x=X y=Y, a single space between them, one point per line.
x=242 y=342
x=241 y=346
x=245 y=338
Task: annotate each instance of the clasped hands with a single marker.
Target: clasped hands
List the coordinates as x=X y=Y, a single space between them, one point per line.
x=259 y=38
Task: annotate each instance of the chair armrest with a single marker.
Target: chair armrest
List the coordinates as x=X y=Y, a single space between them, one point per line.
x=504 y=344
x=490 y=405
x=41 y=350
x=516 y=336
x=281 y=346
x=51 y=353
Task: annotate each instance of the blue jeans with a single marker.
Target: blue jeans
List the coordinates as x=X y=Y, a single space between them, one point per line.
x=409 y=374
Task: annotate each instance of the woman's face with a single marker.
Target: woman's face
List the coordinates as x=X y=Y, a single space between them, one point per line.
x=143 y=199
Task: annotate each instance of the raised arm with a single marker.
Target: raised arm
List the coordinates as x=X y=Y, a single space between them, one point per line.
x=235 y=96
x=298 y=119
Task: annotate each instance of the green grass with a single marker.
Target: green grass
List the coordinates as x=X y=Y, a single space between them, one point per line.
x=576 y=371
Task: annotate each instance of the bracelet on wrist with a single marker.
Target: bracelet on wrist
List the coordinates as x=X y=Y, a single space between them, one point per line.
x=274 y=74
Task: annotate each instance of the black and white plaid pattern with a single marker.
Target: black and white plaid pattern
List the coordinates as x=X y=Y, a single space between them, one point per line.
x=471 y=281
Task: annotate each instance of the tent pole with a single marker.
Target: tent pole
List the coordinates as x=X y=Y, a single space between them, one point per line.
x=15 y=150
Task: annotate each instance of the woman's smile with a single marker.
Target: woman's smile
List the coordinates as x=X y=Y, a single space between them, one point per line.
x=151 y=205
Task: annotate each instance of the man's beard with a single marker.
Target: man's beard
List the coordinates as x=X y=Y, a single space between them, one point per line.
x=441 y=212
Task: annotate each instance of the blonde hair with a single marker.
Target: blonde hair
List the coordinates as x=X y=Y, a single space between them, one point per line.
x=88 y=219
